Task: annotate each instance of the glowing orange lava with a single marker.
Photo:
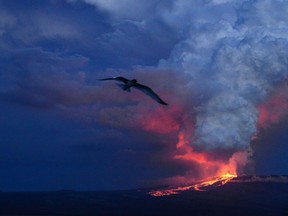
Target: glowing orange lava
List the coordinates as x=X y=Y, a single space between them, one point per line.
x=218 y=181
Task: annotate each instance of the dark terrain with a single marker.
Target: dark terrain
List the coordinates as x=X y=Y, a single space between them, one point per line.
x=247 y=196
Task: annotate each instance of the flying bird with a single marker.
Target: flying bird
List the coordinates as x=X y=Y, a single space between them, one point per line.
x=134 y=83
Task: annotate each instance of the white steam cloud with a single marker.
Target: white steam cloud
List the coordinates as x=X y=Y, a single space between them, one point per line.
x=234 y=63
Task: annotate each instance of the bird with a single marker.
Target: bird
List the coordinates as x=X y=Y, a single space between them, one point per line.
x=134 y=83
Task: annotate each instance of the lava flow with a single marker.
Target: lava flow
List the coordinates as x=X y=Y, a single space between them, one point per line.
x=218 y=181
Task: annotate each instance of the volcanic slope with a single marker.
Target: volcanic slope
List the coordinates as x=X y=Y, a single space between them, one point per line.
x=248 y=195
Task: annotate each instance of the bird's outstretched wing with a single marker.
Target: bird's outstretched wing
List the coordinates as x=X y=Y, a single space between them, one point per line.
x=148 y=91
x=121 y=79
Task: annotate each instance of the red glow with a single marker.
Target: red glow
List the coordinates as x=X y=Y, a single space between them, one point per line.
x=274 y=108
x=223 y=171
x=161 y=120
x=209 y=167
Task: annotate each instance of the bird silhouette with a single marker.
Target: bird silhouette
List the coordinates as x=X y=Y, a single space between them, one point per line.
x=127 y=84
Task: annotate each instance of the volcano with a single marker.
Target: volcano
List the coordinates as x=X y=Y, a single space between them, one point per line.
x=245 y=195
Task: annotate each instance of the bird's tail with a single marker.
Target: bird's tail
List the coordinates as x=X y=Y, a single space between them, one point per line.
x=124 y=87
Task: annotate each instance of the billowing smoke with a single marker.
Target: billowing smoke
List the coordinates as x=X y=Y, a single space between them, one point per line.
x=233 y=64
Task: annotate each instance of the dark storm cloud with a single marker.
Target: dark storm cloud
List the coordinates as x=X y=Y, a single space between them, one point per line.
x=41 y=79
x=135 y=42
x=80 y=28
x=54 y=81
x=43 y=71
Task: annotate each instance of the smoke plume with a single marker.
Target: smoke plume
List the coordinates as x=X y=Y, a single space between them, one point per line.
x=233 y=65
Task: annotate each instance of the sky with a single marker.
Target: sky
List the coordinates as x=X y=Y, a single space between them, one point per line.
x=221 y=65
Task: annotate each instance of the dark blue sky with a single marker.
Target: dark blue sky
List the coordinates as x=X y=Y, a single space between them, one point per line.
x=215 y=62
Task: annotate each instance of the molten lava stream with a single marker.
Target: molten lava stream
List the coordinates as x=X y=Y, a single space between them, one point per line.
x=216 y=182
